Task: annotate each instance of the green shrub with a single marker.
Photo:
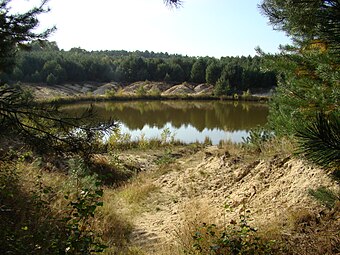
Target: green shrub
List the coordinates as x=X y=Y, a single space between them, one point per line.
x=83 y=199
x=257 y=136
x=246 y=94
x=155 y=92
x=110 y=93
x=165 y=159
x=141 y=91
x=118 y=140
x=222 y=87
x=81 y=239
x=165 y=136
x=29 y=224
x=51 y=79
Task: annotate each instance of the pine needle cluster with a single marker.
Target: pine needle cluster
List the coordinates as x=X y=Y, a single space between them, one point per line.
x=319 y=141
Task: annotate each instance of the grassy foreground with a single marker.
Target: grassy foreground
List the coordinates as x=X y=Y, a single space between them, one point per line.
x=162 y=197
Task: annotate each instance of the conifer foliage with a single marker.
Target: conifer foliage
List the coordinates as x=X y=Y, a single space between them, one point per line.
x=17 y=29
x=322 y=135
x=309 y=75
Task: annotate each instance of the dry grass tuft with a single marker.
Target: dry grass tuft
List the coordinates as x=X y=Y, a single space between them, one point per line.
x=278 y=146
x=194 y=214
x=136 y=192
x=114 y=227
x=316 y=233
x=305 y=232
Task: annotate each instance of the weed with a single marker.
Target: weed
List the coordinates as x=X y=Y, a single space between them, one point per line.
x=81 y=239
x=246 y=94
x=110 y=93
x=165 y=135
x=166 y=159
x=137 y=192
x=257 y=137
x=155 y=92
x=118 y=140
x=324 y=196
x=141 y=91
x=142 y=142
x=207 y=141
x=235 y=238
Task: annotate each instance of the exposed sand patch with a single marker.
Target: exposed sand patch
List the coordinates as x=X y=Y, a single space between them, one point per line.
x=44 y=91
x=199 y=185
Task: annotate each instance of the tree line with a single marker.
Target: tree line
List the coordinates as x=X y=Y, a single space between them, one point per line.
x=46 y=63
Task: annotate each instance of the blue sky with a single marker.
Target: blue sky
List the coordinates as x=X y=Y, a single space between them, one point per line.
x=200 y=28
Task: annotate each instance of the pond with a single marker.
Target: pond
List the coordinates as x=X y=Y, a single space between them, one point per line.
x=188 y=121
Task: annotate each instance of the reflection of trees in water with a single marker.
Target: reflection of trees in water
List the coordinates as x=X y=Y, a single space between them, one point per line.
x=229 y=116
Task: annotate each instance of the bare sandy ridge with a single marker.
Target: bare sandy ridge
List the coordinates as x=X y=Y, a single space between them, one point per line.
x=43 y=91
x=201 y=184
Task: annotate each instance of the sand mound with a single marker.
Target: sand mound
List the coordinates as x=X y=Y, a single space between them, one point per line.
x=147 y=86
x=44 y=91
x=204 y=182
x=101 y=90
x=202 y=89
x=180 y=89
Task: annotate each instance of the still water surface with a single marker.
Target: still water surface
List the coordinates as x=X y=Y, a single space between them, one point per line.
x=188 y=121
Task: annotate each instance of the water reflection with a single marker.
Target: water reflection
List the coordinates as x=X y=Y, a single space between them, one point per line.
x=189 y=120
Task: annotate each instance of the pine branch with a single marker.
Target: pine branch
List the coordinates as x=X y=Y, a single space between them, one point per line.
x=319 y=141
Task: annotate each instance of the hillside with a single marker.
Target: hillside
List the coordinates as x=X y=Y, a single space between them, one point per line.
x=194 y=189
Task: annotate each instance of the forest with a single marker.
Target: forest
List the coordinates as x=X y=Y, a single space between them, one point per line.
x=46 y=63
